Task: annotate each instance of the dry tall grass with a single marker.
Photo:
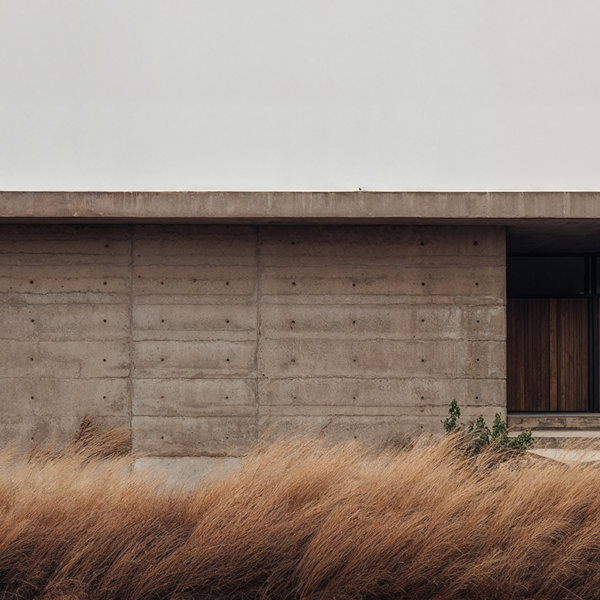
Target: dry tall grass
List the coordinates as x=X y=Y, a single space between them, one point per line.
x=300 y=519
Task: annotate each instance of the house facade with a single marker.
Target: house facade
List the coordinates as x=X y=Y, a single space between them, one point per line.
x=203 y=320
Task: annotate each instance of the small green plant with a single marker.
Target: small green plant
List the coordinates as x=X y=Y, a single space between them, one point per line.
x=480 y=434
x=451 y=422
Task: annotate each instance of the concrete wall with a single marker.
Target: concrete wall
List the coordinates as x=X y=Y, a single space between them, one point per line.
x=201 y=337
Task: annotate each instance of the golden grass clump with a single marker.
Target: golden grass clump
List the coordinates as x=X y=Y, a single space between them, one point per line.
x=299 y=519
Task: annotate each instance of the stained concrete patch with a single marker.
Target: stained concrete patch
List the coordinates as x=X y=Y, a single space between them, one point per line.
x=187 y=469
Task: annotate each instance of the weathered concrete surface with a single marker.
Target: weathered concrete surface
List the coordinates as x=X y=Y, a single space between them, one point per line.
x=202 y=338
x=426 y=207
x=195 y=331
x=372 y=331
x=64 y=329
x=190 y=470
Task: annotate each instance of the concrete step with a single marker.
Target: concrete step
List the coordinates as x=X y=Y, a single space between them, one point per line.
x=567 y=456
x=573 y=432
x=555 y=421
x=565 y=438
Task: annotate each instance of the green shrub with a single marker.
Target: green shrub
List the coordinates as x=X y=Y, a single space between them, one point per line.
x=480 y=435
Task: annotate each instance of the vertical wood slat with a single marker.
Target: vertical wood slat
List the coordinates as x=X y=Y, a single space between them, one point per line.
x=573 y=354
x=537 y=358
x=553 y=354
x=539 y=347
x=516 y=316
x=547 y=354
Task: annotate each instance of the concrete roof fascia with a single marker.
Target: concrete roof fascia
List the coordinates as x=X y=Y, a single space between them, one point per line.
x=493 y=208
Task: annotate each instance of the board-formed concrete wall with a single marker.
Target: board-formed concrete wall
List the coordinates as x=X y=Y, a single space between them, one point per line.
x=202 y=337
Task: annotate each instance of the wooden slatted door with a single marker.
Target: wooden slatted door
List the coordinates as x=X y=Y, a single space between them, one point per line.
x=547 y=354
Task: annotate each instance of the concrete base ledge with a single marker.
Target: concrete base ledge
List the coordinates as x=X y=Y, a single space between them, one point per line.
x=576 y=440
x=576 y=432
x=552 y=421
x=493 y=208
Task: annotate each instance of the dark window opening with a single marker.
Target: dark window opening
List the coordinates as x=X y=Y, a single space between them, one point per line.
x=545 y=275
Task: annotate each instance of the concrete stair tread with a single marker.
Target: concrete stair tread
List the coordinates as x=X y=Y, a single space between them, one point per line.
x=567 y=456
x=554 y=421
x=562 y=433
x=565 y=439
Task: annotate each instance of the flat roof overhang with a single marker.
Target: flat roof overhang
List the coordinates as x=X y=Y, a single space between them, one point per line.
x=494 y=208
x=536 y=221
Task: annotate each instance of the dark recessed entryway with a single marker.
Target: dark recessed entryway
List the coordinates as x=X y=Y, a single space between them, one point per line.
x=552 y=333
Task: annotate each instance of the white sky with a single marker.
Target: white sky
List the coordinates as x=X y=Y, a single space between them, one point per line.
x=299 y=94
